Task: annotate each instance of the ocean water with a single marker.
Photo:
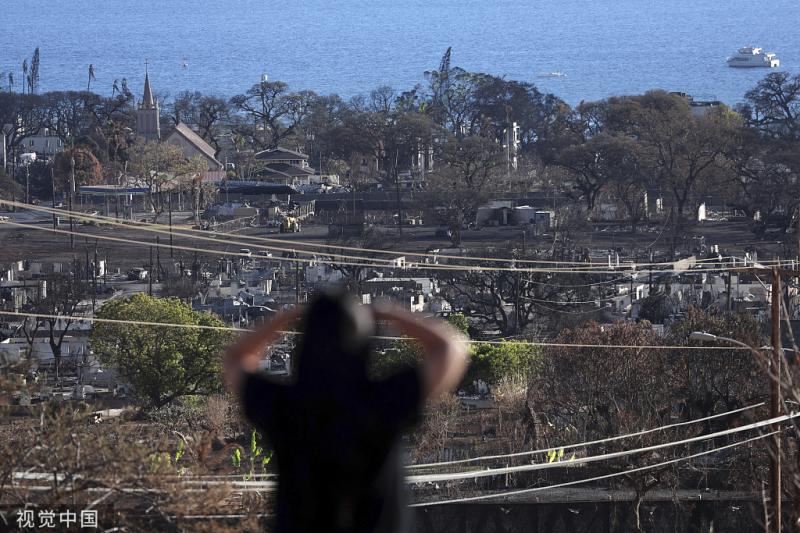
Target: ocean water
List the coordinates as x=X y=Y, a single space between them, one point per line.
x=605 y=47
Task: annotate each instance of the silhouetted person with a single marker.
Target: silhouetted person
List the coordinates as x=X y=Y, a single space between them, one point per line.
x=336 y=434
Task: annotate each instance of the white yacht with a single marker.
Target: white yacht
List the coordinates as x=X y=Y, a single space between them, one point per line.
x=751 y=56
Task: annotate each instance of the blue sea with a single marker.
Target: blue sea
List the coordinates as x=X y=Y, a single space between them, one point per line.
x=605 y=47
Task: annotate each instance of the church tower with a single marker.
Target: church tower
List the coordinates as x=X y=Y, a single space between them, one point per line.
x=147 y=116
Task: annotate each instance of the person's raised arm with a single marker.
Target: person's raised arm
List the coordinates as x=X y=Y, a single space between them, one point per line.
x=444 y=348
x=248 y=351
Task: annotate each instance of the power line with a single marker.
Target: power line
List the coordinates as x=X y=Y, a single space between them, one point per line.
x=576 y=302
x=262 y=485
x=565 y=312
x=591 y=442
x=419 y=266
x=506 y=494
x=379 y=337
x=579 y=286
x=424 y=478
x=143 y=225
x=159 y=228
x=120 y=322
x=186 y=248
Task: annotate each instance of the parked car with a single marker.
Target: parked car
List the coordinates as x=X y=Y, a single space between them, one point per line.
x=137 y=274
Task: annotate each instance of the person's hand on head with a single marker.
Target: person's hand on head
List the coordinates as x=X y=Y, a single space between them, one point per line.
x=444 y=347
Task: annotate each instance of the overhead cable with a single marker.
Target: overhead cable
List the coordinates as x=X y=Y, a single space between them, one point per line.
x=456 y=476
x=627 y=472
x=545 y=344
x=419 y=266
x=587 y=443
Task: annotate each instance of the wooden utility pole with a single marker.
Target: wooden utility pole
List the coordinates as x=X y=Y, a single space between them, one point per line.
x=86 y=246
x=775 y=372
x=53 y=202
x=150 y=274
x=71 y=194
x=517 y=328
x=730 y=295
x=775 y=400
x=296 y=282
x=158 y=258
x=94 y=278
x=170 y=224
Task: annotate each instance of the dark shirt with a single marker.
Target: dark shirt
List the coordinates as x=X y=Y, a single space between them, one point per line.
x=337 y=447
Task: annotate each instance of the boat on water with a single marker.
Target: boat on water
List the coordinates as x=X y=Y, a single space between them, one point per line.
x=555 y=74
x=753 y=57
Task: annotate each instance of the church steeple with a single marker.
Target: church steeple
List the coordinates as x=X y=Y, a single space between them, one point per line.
x=148 y=115
x=147 y=99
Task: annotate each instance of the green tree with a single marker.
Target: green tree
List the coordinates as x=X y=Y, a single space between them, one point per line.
x=507 y=360
x=404 y=353
x=162 y=363
x=492 y=363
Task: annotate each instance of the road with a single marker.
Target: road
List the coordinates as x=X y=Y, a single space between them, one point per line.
x=38 y=244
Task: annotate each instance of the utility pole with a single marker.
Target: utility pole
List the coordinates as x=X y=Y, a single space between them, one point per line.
x=516 y=307
x=774 y=373
x=86 y=245
x=14 y=176
x=53 y=202
x=150 y=274
x=775 y=399
x=158 y=258
x=730 y=295
x=399 y=201
x=71 y=194
x=297 y=282
x=170 y=223
x=28 y=182
x=94 y=278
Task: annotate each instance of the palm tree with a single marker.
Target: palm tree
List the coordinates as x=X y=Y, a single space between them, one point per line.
x=11 y=82
x=91 y=77
x=34 y=74
x=115 y=88
x=24 y=73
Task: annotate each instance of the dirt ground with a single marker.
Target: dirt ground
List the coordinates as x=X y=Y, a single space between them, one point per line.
x=733 y=238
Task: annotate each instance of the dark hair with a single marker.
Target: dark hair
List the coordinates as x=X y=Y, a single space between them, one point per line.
x=337 y=334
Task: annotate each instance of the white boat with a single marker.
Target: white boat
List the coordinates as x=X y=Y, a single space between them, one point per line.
x=751 y=56
x=552 y=75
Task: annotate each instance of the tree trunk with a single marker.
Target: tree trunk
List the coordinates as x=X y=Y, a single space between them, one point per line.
x=56 y=348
